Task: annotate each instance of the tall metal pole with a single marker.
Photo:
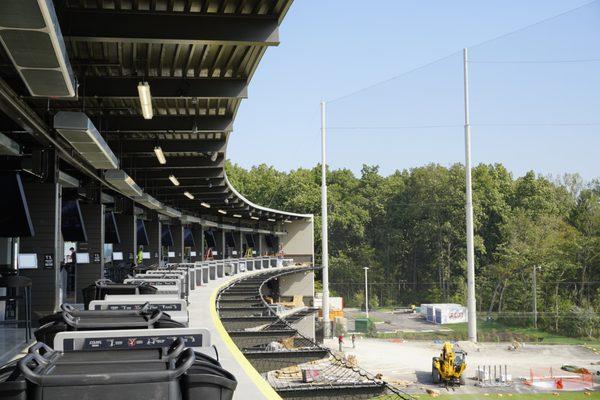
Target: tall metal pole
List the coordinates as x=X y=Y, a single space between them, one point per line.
x=366 y=293
x=534 y=290
x=324 y=239
x=471 y=302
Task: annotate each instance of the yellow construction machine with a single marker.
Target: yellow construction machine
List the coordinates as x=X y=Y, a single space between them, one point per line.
x=449 y=367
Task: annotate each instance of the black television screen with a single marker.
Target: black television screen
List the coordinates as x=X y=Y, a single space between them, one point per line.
x=271 y=241
x=142 y=235
x=250 y=240
x=166 y=236
x=71 y=223
x=230 y=239
x=111 y=232
x=188 y=237
x=17 y=222
x=209 y=236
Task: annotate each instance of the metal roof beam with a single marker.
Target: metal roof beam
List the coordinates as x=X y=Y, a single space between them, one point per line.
x=95 y=25
x=185 y=173
x=164 y=123
x=201 y=88
x=175 y=163
x=136 y=147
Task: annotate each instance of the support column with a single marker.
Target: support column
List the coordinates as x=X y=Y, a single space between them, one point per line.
x=241 y=245
x=126 y=223
x=87 y=274
x=153 y=228
x=220 y=239
x=177 y=232
x=261 y=239
x=198 y=234
x=44 y=200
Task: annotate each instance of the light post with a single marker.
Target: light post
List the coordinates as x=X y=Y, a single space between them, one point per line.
x=471 y=302
x=366 y=293
x=324 y=241
x=534 y=290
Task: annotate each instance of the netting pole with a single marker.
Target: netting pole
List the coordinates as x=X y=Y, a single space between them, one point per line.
x=471 y=303
x=324 y=239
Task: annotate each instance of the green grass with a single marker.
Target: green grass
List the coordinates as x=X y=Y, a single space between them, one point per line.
x=494 y=332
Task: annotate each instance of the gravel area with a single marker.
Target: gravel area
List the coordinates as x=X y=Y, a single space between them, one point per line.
x=410 y=362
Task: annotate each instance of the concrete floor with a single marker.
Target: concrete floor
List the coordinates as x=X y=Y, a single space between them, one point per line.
x=401 y=361
x=200 y=317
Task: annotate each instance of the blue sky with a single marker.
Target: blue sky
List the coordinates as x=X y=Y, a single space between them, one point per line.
x=529 y=116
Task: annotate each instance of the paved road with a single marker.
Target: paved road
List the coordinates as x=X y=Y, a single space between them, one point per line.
x=395 y=321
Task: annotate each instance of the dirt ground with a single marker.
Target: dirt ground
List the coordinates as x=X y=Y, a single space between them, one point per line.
x=410 y=361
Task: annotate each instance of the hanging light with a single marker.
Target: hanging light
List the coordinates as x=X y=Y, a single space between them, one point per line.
x=189 y=195
x=237 y=215
x=271 y=219
x=145 y=99
x=205 y=205
x=254 y=218
x=174 y=180
x=160 y=155
x=222 y=211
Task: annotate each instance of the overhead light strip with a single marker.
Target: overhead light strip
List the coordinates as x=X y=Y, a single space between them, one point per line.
x=205 y=205
x=188 y=195
x=174 y=180
x=145 y=99
x=160 y=155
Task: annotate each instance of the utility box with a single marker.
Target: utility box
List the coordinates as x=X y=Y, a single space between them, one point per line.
x=362 y=325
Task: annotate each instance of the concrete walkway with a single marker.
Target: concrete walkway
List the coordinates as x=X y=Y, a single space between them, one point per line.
x=203 y=315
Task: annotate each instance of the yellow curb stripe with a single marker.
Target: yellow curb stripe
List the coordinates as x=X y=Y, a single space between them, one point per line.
x=263 y=386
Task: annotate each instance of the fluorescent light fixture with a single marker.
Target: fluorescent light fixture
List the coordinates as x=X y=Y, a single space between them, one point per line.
x=145 y=99
x=148 y=201
x=271 y=219
x=237 y=215
x=188 y=195
x=160 y=155
x=174 y=180
x=205 y=205
x=213 y=156
x=254 y=218
x=123 y=182
x=222 y=211
x=81 y=133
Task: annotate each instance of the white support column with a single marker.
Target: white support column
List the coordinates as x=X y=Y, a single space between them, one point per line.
x=366 y=292
x=471 y=302
x=324 y=239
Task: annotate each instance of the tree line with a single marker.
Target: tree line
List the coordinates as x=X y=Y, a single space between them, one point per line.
x=409 y=228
